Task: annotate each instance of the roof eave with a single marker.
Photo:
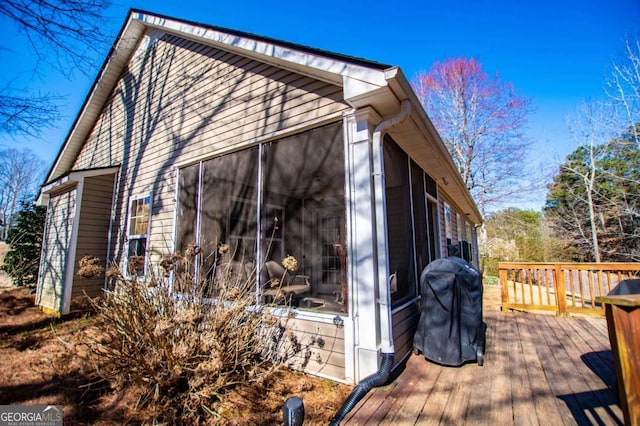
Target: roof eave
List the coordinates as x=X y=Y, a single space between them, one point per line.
x=439 y=160
x=100 y=91
x=360 y=75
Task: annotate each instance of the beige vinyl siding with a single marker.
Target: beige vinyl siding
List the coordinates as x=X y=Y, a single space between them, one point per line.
x=179 y=101
x=404 y=322
x=93 y=231
x=55 y=247
x=326 y=346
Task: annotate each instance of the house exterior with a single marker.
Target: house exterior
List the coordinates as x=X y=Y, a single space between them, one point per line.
x=193 y=134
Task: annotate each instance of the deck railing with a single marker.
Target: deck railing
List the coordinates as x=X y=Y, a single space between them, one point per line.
x=566 y=288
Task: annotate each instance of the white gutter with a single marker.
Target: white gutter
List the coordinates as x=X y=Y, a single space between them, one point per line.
x=380 y=208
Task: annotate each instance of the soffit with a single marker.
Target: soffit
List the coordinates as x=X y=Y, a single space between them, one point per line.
x=419 y=138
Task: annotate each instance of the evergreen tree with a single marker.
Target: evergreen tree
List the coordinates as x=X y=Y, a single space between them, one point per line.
x=613 y=198
x=25 y=241
x=519 y=229
x=514 y=235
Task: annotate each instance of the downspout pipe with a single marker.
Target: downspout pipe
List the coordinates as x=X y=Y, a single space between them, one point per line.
x=380 y=377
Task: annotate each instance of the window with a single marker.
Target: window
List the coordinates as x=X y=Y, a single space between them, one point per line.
x=229 y=191
x=138 y=229
x=432 y=220
x=448 y=225
x=303 y=180
x=281 y=198
x=216 y=209
x=400 y=237
x=420 y=217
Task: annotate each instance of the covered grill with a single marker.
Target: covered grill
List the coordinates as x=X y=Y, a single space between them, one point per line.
x=451 y=331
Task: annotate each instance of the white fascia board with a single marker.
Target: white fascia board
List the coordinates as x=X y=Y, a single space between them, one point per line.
x=354 y=89
x=331 y=68
x=57 y=184
x=76 y=177
x=99 y=93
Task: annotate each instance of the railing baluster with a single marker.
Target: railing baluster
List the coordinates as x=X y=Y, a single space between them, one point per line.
x=581 y=286
x=539 y=278
x=515 y=289
x=522 y=285
x=547 y=284
x=600 y=283
x=564 y=277
x=530 y=281
x=504 y=287
x=591 y=292
x=561 y=296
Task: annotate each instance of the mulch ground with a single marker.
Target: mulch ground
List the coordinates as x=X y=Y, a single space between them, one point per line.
x=41 y=359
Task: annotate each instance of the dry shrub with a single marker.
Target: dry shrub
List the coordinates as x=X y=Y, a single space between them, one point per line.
x=90 y=267
x=185 y=352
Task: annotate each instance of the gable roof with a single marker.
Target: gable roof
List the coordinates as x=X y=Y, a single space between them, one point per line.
x=365 y=83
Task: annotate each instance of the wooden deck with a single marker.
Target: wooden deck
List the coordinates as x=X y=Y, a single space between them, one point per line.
x=539 y=370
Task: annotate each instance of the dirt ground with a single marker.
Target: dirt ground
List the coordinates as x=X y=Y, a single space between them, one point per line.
x=4 y=279
x=39 y=365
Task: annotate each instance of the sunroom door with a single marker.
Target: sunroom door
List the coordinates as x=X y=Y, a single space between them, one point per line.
x=332 y=248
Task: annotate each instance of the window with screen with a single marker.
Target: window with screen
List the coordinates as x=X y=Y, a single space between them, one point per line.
x=137 y=232
x=279 y=200
x=400 y=237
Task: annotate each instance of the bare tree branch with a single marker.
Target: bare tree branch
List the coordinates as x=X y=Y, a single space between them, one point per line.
x=623 y=87
x=26 y=115
x=481 y=121
x=20 y=173
x=67 y=35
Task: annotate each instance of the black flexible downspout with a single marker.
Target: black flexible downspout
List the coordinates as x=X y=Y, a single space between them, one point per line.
x=378 y=378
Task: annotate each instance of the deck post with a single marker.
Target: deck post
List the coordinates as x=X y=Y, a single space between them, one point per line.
x=560 y=289
x=623 y=316
x=504 y=289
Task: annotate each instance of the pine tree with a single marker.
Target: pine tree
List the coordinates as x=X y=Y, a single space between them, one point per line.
x=613 y=197
x=25 y=241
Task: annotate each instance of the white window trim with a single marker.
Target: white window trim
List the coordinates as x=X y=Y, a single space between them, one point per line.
x=448 y=221
x=130 y=236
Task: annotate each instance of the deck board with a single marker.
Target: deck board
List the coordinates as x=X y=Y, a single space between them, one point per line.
x=539 y=369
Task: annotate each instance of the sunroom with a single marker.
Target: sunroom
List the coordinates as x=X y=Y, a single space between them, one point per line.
x=314 y=180
x=244 y=212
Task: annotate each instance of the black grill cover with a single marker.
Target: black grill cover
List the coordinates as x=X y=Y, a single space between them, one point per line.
x=451 y=330
x=630 y=286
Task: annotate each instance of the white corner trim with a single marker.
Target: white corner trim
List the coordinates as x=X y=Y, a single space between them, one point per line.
x=67 y=287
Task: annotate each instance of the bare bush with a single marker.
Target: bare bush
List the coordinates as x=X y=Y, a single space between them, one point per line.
x=184 y=352
x=89 y=267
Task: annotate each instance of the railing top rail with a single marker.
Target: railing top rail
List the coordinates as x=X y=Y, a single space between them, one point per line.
x=587 y=266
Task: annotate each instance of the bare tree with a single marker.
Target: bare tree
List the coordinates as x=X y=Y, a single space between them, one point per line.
x=594 y=200
x=24 y=113
x=480 y=119
x=588 y=127
x=21 y=171
x=67 y=35
x=623 y=88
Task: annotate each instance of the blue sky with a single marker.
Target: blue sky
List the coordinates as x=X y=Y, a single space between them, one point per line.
x=554 y=52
